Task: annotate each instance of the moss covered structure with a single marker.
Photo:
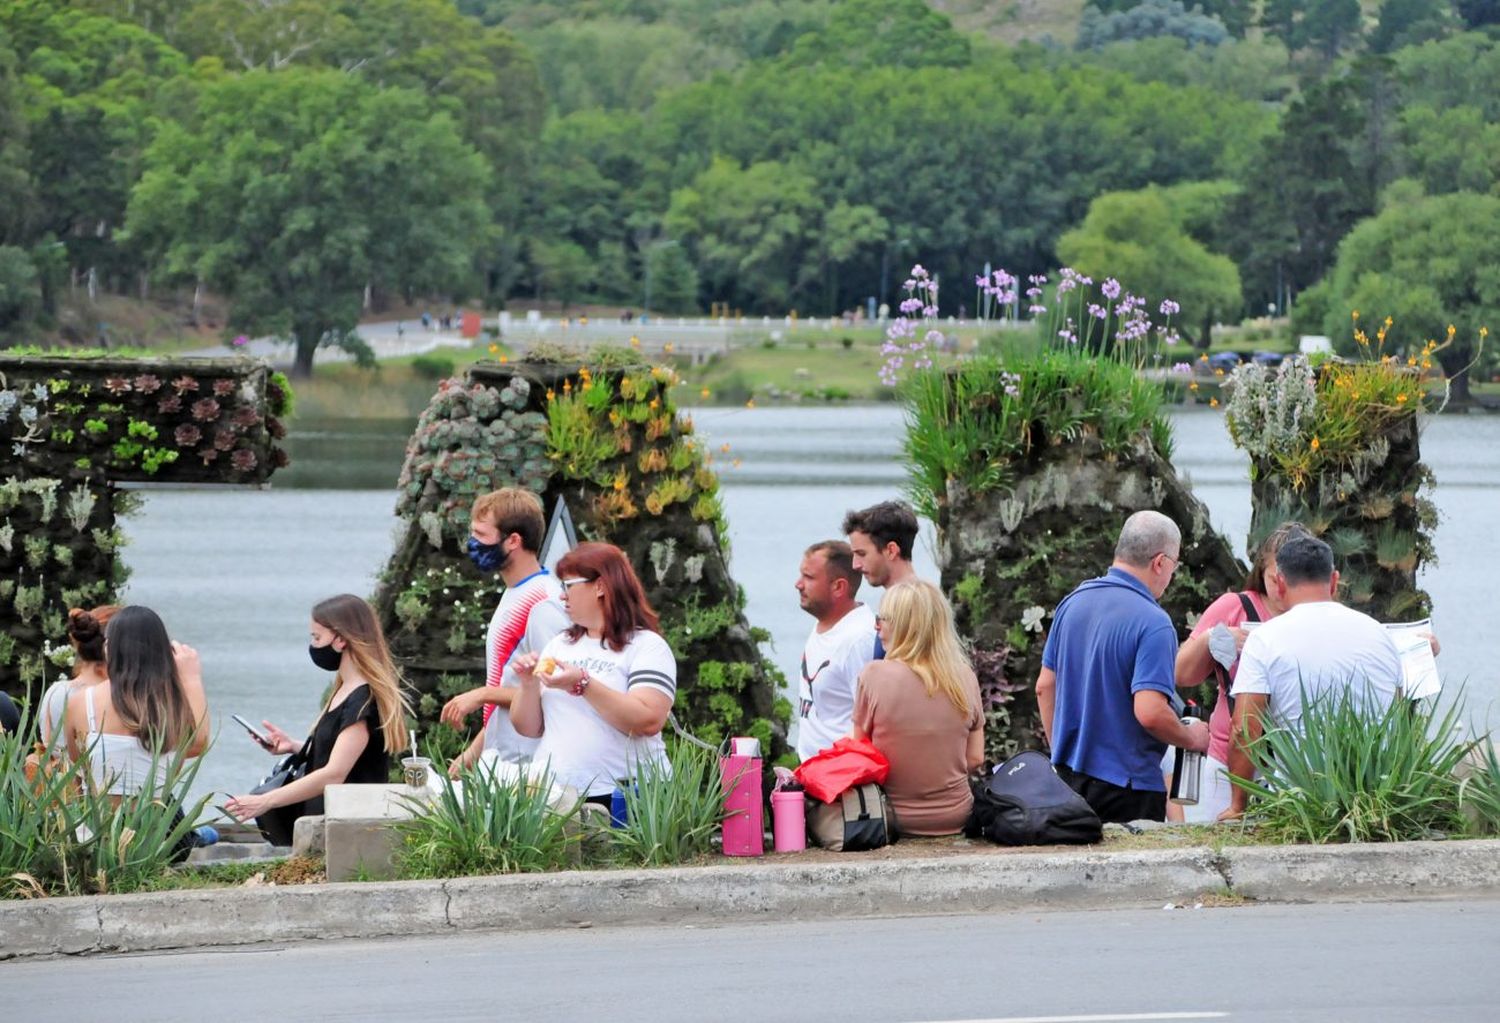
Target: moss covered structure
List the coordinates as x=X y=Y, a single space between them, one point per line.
x=1041 y=465
x=73 y=432
x=606 y=440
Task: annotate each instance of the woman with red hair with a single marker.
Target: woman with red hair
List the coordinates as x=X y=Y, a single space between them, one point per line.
x=600 y=692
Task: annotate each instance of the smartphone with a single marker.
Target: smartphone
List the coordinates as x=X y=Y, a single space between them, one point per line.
x=247 y=726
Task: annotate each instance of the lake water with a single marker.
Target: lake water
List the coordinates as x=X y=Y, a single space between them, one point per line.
x=235 y=572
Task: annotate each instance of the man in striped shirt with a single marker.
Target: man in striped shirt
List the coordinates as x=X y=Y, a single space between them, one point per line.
x=507 y=528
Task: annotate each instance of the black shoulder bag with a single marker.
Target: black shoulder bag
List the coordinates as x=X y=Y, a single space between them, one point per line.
x=276 y=823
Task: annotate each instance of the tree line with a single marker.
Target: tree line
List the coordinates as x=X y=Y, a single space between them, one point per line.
x=300 y=156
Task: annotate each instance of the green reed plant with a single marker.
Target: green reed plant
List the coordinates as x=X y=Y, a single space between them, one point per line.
x=59 y=836
x=1479 y=791
x=672 y=810
x=1353 y=775
x=497 y=825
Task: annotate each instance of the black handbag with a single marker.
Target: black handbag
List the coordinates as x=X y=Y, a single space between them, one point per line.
x=276 y=823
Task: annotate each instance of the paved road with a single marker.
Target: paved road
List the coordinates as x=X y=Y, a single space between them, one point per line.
x=1372 y=963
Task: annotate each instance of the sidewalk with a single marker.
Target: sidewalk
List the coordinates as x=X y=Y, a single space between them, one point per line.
x=748 y=890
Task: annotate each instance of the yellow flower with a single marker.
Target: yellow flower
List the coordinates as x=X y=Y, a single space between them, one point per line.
x=494 y=349
x=1484 y=332
x=735 y=463
x=724 y=447
x=1411 y=360
x=567 y=387
x=1388 y=321
x=505 y=358
x=750 y=403
x=703 y=393
x=1193 y=386
x=1218 y=372
x=1426 y=363
x=1316 y=444
x=1401 y=399
x=655 y=403
x=667 y=348
x=551 y=394
x=1203 y=357
x=1355 y=314
x=635 y=342
x=1452 y=330
x=1213 y=403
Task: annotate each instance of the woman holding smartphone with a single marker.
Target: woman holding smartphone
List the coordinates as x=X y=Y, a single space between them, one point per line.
x=362 y=724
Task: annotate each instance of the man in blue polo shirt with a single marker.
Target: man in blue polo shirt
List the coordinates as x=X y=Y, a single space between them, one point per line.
x=1108 y=674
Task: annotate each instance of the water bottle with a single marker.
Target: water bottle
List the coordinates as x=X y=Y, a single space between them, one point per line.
x=1187 y=765
x=618 y=815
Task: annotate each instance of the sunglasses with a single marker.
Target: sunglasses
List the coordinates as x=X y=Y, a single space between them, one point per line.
x=568 y=584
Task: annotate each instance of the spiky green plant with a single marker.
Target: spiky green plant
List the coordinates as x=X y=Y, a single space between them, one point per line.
x=1353 y=774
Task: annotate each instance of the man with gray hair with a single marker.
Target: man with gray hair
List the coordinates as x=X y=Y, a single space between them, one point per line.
x=1316 y=646
x=1109 y=675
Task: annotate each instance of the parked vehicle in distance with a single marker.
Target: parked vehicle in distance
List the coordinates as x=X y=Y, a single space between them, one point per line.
x=1226 y=361
x=1268 y=358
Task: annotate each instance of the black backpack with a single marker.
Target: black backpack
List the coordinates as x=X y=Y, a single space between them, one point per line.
x=1024 y=802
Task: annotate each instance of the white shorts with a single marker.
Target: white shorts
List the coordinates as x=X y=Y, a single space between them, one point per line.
x=1214 y=789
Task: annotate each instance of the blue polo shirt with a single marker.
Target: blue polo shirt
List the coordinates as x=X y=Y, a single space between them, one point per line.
x=1110 y=639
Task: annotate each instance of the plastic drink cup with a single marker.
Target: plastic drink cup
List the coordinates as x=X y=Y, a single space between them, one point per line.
x=789 y=821
x=416 y=771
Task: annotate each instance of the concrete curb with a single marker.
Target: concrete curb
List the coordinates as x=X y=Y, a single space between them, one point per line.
x=742 y=891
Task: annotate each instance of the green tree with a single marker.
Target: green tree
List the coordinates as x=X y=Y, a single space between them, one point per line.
x=1327 y=27
x=1148 y=20
x=1453 y=150
x=1427 y=262
x=291 y=191
x=562 y=269
x=747 y=229
x=847 y=230
x=1142 y=239
x=20 y=294
x=1410 y=22
x=884 y=33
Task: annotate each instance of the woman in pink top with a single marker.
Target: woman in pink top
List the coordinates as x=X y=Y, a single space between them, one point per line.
x=1195 y=665
x=920 y=707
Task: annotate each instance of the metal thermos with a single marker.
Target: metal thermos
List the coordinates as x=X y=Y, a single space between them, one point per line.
x=1187 y=766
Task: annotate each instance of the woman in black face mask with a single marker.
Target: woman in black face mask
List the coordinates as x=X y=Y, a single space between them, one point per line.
x=363 y=723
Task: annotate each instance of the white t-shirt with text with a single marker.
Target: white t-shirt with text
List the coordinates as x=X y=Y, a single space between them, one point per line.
x=828 y=677
x=1318 y=647
x=578 y=746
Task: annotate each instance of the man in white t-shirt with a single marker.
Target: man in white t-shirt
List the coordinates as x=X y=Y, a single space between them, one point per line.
x=839 y=646
x=1315 y=646
x=507 y=528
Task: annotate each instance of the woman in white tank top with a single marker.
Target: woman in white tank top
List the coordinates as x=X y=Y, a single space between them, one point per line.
x=151 y=703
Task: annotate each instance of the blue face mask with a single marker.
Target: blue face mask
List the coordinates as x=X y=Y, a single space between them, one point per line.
x=487 y=557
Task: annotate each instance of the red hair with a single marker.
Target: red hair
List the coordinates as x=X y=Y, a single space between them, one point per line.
x=623 y=599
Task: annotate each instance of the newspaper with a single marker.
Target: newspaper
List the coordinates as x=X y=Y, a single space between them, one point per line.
x=1419 y=674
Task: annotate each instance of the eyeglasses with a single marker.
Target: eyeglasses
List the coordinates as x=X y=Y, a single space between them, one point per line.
x=568 y=584
x=1164 y=554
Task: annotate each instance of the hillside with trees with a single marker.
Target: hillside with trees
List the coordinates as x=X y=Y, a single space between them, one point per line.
x=306 y=161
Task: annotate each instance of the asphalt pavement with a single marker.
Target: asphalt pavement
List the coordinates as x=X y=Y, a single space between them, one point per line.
x=1371 y=962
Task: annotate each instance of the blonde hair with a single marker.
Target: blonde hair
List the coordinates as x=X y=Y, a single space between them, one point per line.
x=919 y=633
x=352 y=618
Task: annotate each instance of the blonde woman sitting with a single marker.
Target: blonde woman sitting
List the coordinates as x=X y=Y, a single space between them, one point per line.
x=920 y=707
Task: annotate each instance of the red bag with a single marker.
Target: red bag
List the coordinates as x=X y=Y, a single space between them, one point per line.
x=843 y=765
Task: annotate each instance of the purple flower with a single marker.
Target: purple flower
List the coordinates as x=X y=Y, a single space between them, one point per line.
x=241 y=341
x=1111 y=289
x=1097 y=311
x=205 y=410
x=243 y=460
x=223 y=388
x=147 y=384
x=187 y=435
x=1169 y=308
x=184 y=384
x=1182 y=367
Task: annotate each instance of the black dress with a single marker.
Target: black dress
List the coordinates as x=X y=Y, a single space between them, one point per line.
x=374 y=763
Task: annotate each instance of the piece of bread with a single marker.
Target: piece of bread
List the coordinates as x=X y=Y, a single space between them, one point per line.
x=546 y=666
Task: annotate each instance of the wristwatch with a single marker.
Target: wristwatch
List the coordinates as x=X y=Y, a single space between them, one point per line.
x=581 y=686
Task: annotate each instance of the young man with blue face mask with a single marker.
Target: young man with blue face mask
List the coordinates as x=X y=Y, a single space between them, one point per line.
x=506 y=537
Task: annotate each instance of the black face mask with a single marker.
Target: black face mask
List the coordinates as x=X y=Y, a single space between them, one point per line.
x=325 y=657
x=487 y=557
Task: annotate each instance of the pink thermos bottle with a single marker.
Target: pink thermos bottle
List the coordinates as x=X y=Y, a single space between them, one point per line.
x=739 y=773
x=789 y=820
